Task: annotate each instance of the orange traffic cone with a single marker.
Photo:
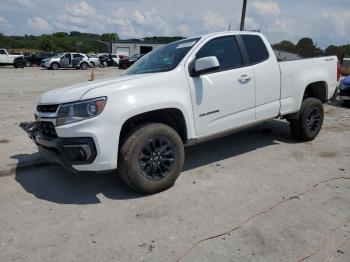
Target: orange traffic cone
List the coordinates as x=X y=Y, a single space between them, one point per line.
x=92 y=78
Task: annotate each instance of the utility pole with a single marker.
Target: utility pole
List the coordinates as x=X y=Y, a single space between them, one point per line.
x=244 y=9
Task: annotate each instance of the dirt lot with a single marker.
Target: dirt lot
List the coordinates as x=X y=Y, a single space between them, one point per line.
x=274 y=195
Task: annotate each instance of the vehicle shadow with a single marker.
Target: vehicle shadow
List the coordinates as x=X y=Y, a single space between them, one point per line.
x=267 y=134
x=54 y=184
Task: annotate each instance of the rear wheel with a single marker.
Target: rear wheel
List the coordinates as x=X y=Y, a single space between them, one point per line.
x=19 y=63
x=310 y=120
x=151 y=158
x=84 y=66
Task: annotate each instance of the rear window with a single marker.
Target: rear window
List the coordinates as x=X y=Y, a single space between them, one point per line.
x=256 y=49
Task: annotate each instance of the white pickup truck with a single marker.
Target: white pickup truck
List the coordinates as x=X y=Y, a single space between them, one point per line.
x=183 y=93
x=8 y=59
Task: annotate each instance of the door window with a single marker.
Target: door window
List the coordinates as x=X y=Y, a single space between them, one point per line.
x=256 y=49
x=2 y=52
x=226 y=51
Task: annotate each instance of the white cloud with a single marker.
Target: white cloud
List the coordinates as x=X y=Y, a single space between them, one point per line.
x=79 y=17
x=23 y=3
x=4 y=22
x=340 y=21
x=266 y=8
x=184 y=30
x=214 y=21
x=283 y=26
x=82 y=9
x=39 y=23
x=136 y=23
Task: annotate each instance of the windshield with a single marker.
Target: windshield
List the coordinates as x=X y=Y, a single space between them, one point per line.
x=163 y=59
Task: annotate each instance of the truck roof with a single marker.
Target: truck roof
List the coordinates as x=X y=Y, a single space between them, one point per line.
x=228 y=32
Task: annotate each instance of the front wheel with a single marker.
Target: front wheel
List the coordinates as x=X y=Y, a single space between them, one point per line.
x=54 y=66
x=310 y=120
x=151 y=158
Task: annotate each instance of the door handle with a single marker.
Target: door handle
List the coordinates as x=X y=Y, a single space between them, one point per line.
x=244 y=78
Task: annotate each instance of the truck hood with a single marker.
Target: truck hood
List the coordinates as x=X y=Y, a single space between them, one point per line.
x=75 y=92
x=15 y=56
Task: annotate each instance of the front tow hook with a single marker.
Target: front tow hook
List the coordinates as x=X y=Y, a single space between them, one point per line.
x=31 y=128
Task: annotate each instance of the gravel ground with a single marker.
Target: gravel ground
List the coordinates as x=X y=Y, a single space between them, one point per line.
x=47 y=214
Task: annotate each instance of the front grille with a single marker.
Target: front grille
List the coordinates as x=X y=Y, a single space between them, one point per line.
x=47 y=129
x=47 y=108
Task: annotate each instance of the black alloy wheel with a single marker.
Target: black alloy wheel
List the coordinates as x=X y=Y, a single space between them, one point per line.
x=156 y=159
x=151 y=157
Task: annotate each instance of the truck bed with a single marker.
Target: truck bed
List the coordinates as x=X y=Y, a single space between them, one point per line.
x=298 y=74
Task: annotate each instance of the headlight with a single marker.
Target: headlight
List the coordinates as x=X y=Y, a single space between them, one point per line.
x=77 y=111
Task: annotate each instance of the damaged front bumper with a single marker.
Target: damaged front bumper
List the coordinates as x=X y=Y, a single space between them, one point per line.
x=66 y=152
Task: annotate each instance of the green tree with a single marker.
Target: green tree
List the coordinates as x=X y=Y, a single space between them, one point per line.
x=306 y=47
x=108 y=37
x=285 y=46
x=46 y=43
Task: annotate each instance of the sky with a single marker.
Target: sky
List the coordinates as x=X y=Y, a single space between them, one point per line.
x=326 y=21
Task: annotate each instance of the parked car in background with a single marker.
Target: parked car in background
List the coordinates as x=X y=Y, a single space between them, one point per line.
x=9 y=59
x=126 y=63
x=37 y=57
x=66 y=60
x=343 y=91
x=115 y=59
x=105 y=59
x=93 y=61
x=183 y=93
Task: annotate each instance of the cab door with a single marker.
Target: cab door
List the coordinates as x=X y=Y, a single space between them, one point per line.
x=4 y=57
x=225 y=98
x=65 y=60
x=76 y=60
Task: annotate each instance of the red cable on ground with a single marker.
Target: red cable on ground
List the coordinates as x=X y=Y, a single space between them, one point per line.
x=324 y=242
x=340 y=245
x=257 y=214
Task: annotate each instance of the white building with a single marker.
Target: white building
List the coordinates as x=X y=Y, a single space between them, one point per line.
x=130 y=48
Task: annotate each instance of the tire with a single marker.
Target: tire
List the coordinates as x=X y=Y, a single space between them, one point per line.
x=54 y=66
x=142 y=164
x=310 y=120
x=92 y=64
x=19 y=63
x=84 y=65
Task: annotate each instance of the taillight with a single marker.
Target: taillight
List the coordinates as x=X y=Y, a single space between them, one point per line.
x=339 y=72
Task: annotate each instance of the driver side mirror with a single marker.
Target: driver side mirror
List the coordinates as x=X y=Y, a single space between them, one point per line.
x=205 y=65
